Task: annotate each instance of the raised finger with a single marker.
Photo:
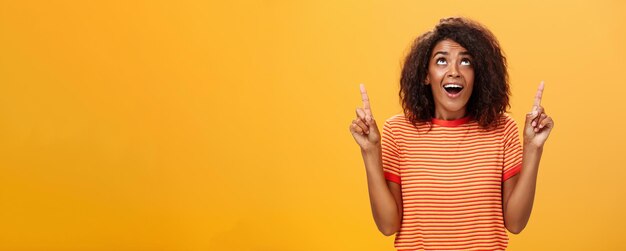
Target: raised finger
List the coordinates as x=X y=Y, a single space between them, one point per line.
x=360 y=113
x=538 y=110
x=538 y=95
x=366 y=101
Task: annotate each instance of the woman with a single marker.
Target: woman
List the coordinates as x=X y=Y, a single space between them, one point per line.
x=450 y=173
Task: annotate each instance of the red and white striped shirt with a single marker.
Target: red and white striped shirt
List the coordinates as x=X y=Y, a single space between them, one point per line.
x=451 y=178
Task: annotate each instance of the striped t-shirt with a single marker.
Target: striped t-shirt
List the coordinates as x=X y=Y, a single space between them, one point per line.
x=451 y=178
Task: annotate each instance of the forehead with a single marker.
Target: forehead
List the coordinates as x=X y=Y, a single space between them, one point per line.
x=448 y=45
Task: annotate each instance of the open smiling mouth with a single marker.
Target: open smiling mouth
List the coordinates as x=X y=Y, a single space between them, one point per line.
x=453 y=88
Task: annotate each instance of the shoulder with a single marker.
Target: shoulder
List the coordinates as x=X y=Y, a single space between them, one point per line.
x=506 y=121
x=507 y=125
x=398 y=121
x=395 y=123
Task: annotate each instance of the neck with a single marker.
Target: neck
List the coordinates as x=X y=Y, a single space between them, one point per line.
x=448 y=115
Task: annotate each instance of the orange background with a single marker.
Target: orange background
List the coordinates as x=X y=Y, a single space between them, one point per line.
x=187 y=125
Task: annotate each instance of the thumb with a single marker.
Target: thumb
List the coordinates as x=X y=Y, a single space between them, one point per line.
x=531 y=116
x=371 y=122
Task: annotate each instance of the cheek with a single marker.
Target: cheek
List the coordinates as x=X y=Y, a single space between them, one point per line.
x=435 y=75
x=469 y=77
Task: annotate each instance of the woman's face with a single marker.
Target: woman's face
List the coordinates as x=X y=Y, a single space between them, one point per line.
x=451 y=77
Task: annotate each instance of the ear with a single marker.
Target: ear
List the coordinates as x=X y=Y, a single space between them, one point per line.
x=427 y=80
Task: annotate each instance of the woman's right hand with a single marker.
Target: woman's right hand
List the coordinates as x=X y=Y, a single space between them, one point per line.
x=363 y=128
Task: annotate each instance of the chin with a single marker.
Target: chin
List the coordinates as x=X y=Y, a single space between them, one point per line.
x=455 y=107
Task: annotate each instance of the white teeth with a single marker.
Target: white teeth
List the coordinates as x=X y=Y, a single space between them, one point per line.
x=452 y=86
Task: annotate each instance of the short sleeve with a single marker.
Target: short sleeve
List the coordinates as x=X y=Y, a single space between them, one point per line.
x=390 y=154
x=512 y=150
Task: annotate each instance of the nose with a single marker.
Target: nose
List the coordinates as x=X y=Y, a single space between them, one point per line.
x=454 y=71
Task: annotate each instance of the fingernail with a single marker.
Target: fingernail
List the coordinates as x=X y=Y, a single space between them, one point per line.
x=534 y=123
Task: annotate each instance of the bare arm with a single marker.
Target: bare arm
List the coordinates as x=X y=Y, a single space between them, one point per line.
x=519 y=190
x=385 y=196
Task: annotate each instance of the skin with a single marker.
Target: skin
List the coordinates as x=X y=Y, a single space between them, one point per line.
x=450 y=63
x=518 y=192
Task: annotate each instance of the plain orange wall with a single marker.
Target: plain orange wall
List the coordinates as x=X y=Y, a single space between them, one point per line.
x=187 y=125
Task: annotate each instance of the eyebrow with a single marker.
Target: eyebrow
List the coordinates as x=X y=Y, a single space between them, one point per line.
x=446 y=53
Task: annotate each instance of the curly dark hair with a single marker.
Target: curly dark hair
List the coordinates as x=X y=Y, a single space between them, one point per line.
x=490 y=97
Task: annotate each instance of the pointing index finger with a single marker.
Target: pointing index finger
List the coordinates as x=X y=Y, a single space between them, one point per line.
x=366 y=100
x=538 y=95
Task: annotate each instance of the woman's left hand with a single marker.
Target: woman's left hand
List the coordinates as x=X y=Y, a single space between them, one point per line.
x=538 y=124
